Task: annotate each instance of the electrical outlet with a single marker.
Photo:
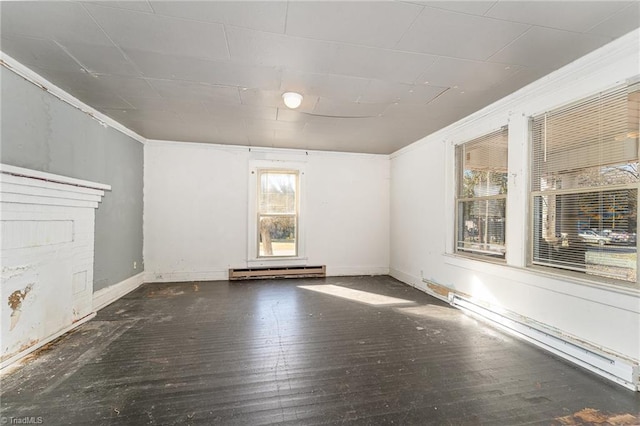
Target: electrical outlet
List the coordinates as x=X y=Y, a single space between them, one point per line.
x=135 y=265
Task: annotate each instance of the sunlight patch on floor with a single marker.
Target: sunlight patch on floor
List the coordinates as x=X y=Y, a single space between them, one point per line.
x=433 y=311
x=357 y=295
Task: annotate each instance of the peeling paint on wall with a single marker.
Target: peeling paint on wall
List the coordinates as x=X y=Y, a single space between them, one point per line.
x=15 y=300
x=14 y=271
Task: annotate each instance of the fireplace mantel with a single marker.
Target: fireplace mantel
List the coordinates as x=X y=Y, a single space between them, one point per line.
x=47 y=253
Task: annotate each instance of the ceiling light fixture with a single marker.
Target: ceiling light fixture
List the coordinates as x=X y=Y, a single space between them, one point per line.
x=292 y=99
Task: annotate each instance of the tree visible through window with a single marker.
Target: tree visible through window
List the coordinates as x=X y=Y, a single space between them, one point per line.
x=482 y=195
x=277 y=213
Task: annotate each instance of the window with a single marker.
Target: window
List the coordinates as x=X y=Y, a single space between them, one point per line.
x=277 y=213
x=482 y=195
x=584 y=185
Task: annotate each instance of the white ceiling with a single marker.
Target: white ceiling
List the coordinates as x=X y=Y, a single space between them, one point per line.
x=375 y=75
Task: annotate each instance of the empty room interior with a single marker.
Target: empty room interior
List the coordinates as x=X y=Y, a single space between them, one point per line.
x=320 y=212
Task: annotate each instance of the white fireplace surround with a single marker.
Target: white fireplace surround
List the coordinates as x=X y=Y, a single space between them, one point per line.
x=47 y=233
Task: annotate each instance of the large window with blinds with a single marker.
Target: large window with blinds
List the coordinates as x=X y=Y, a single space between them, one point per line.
x=584 y=186
x=481 y=196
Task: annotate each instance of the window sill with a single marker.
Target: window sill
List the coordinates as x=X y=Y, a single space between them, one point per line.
x=277 y=261
x=604 y=283
x=461 y=254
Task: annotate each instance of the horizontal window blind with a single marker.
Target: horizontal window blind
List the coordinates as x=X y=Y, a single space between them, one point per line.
x=584 y=182
x=481 y=194
x=277 y=192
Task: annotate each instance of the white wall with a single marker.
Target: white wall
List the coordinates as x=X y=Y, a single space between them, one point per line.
x=196 y=210
x=422 y=214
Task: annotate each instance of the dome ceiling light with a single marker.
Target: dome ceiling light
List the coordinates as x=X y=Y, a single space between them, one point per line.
x=292 y=99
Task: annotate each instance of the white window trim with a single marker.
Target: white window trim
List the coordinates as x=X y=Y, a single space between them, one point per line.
x=451 y=197
x=253 y=260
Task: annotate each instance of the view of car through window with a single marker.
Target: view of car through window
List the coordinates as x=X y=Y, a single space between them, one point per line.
x=607 y=236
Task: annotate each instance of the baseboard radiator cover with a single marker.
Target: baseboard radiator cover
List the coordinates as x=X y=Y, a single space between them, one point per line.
x=238 y=274
x=621 y=370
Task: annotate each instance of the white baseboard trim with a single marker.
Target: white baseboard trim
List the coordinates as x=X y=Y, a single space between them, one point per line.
x=609 y=365
x=15 y=360
x=169 y=277
x=344 y=271
x=417 y=283
x=108 y=295
x=223 y=274
x=405 y=278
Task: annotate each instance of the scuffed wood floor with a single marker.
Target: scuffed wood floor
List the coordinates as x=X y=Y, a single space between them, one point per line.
x=361 y=350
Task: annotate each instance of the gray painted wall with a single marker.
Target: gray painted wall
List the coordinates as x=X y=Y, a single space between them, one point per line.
x=40 y=132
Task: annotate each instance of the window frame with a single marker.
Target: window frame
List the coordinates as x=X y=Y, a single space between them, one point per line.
x=253 y=233
x=487 y=256
x=260 y=214
x=560 y=271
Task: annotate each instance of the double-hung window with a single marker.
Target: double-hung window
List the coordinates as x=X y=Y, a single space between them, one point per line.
x=277 y=219
x=584 y=185
x=481 y=168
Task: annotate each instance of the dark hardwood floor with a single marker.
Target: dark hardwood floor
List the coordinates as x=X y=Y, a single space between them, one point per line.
x=301 y=352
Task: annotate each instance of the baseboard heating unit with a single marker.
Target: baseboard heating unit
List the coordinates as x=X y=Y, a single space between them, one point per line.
x=278 y=272
x=618 y=369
